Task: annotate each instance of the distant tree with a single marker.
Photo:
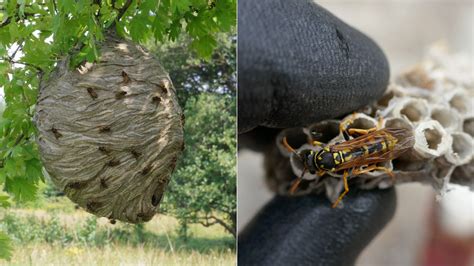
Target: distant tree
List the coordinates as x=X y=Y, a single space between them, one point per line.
x=203 y=187
x=192 y=75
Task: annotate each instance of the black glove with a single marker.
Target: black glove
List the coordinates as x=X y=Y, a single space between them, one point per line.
x=298 y=64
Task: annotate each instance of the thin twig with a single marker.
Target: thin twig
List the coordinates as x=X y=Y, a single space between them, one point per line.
x=9 y=19
x=124 y=9
x=99 y=3
x=17 y=141
x=23 y=63
x=6 y=22
x=55 y=6
x=121 y=12
x=20 y=45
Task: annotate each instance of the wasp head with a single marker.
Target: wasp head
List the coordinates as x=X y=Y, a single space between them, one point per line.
x=307 y=158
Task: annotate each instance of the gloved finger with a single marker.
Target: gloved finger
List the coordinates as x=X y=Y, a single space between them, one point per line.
x=307 y=231
x=258 y=139
x=298 y=64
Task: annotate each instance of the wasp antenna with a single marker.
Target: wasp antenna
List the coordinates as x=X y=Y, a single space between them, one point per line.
x=287 y=146
x=297 y=182
x=290 y=149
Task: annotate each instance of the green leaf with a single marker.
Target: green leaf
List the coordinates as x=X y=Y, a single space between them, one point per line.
x=67 y=5
x=15 y=166
x=22 y=188
x=160 y=24
x=4 y=201
x=139 y=27
x=204 y=46
x=14 y=31
x=33 y=170
x=6 y=248
x=3 y=176
x=21 y=10
x=175 y=29
x=5 y=37
x=225 y=14
x=179 y=5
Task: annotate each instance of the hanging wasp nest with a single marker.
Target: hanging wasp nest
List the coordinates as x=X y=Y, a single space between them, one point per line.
x=110 y=133
x=435 y=99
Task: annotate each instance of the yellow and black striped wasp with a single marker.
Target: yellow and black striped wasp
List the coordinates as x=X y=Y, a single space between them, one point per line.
x=356 y=156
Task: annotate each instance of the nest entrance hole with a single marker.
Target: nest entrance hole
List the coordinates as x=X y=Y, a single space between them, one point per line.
x=156 y=198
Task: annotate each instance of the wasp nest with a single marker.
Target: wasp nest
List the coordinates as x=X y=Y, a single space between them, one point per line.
x=435 y=99
x=110 y=133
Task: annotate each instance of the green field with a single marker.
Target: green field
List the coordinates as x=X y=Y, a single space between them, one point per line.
x=57 y=234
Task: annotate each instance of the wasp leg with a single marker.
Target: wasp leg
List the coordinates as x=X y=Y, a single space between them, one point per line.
x=295 y=185
x=353 y=131
x=343 y=128
x=375 y=167
x=297 y=182
x=379 y=122
x=346 y=189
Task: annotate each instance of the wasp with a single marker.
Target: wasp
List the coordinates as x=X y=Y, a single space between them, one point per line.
x=355 y=156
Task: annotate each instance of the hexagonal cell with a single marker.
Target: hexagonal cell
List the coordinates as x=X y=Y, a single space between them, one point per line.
x=461 y=149
x=447 y=117
x=468 y=126
x=431 y=140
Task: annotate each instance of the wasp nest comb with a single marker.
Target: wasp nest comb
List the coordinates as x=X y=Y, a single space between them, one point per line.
x=110 y=133
x=434 y=99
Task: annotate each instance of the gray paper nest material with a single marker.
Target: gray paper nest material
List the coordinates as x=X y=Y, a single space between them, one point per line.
x=110 y=133
x=435 y=99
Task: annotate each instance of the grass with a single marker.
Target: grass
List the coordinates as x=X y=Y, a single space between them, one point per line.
x=54 y=233
x=43 y=254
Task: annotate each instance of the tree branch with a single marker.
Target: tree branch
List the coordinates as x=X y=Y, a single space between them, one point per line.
x=121 y=12
x=225 y=225
x=55 y=6
x=20 y=45
x=6 y=22
x=216 y=220
x=123 y=9
x=9 y=19
x=22 y=63
x=17 y=141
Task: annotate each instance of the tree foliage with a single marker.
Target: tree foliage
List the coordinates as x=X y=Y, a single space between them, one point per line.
x=34 y=34
x=203 y=188
x=204 y=185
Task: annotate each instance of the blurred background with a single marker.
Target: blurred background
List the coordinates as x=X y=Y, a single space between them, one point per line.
x=404 y=30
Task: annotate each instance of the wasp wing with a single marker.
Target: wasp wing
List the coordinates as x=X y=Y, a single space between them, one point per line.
x=357 y=147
